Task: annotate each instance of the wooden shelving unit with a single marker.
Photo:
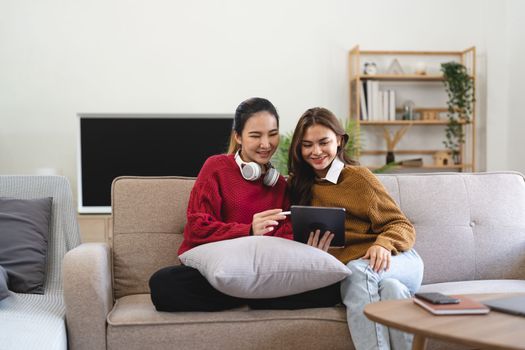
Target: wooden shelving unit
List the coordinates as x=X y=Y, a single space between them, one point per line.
x=467 y=57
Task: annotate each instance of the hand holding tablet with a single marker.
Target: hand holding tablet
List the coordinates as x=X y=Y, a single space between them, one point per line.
x=321 y=240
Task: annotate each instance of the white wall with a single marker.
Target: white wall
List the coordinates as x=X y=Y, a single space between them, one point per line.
x=505 y=41
x=497 y=41
x=58 y=58
x=516 y=112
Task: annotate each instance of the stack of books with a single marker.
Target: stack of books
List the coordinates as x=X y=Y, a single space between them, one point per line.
x=466 y=306
x=377 y=105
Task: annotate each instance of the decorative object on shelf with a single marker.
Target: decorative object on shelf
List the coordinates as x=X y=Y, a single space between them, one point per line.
x=392 y=141
x=442 y=158
x=370 y=68
x=395 y=68
x=429 y=114
x=421 y=68
x=408 y=110
x=460 y=90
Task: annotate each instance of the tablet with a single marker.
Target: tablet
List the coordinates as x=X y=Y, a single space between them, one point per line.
x=511 y=305
x=306 y=219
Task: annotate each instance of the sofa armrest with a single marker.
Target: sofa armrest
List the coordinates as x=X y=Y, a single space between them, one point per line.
x=88 y=295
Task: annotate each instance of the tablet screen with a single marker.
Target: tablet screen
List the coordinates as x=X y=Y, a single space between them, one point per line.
x=306 y=219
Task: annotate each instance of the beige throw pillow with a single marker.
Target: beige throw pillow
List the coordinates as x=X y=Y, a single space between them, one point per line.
x=264 y=266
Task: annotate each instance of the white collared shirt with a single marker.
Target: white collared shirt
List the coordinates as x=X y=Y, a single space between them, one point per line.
x=335 y=170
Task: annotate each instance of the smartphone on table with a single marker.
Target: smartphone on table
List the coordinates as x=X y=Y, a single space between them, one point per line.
x=437 y=298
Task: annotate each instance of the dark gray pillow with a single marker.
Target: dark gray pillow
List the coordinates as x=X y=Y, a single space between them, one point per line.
x=24 y=231
x=4 y=292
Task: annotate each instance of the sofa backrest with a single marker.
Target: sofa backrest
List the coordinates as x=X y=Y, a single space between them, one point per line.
x=149 y=214
x=63 y=231
x=469 y=226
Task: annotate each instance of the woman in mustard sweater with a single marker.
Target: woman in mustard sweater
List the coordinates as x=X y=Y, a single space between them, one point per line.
x=379 y=238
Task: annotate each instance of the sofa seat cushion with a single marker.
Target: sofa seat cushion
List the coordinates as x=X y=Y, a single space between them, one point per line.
x=135 y=324
x=475 y=287
x=33 y=321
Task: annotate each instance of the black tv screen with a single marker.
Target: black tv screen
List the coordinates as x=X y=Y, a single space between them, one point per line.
x=164 y=145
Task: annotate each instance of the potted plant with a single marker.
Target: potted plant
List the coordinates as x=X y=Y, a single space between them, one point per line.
x=280 y=158
x=459 y=86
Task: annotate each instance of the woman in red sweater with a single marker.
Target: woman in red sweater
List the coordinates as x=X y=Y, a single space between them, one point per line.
x=236 y=195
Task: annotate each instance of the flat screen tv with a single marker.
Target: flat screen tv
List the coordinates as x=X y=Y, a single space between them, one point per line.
x=142 y=145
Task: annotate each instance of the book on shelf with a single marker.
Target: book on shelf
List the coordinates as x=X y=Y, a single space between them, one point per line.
x=369 y=98
x=466 y=306
x=391 y=105
x=364 y=114
x=384 y=104
x=376 y=104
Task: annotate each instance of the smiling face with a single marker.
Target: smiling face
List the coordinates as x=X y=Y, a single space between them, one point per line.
x=319 y=148
x=259 y=138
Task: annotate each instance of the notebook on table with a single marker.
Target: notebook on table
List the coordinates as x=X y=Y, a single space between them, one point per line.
x=512 y=305
x=466 y=306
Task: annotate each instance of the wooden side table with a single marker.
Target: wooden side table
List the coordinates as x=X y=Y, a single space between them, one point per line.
x=495 y=330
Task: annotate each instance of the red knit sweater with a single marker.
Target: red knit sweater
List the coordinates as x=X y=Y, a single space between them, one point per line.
x=222 y=204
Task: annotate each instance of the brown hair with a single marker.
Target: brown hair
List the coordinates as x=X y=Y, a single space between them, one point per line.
x=243 y=112
x=302 y=176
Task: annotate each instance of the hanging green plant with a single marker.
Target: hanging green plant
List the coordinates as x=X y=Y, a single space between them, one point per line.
x=459 y=86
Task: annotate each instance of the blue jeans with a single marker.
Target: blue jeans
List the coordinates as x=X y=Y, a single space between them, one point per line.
x=365 y=286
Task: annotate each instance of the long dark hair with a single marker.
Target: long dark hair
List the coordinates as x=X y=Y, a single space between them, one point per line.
x=243 y=112
x=302 y=175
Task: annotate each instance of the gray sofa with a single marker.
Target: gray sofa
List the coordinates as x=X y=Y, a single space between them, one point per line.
x=37 y=321
x=470 y=234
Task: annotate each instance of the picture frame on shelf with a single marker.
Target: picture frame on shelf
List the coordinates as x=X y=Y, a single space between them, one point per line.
x=395 y=68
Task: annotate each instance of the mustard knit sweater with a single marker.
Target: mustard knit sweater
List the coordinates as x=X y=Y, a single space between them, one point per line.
x=372 y=216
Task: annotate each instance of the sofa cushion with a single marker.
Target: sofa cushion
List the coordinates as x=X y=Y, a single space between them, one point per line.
x=475 y=287
x=149 y=214
x=264 y=266
x=24 y=232
x=134 y=324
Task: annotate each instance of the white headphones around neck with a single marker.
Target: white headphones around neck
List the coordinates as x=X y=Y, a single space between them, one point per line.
x=252 y=171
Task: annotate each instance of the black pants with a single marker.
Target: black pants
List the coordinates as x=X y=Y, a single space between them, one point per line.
x=183 y=288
